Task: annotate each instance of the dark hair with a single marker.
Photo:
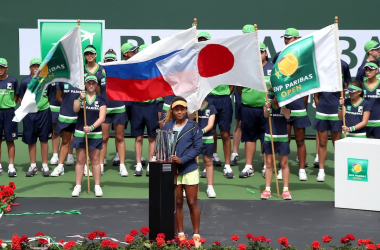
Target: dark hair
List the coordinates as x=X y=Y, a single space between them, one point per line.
x=110 y=51
x=169 y=115
x=375 y=62
x=359 y=85
x=88 y=46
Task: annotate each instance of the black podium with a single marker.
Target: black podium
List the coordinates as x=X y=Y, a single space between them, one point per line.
x=162 y=208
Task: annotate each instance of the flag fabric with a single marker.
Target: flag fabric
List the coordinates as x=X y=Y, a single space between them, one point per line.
x=138 y=78
x=234 y=60
x=63 y=63
x=308 y=65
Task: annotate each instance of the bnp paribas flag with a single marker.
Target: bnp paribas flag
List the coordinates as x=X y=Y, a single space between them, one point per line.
x=308 y=65
x=63 y=63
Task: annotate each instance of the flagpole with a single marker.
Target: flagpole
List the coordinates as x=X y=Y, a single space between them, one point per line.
x=196 y=113
x=271 y=141
x=86 y=140
x=342 y=95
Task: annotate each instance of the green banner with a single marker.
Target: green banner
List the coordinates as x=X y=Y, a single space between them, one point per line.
x=295 y=71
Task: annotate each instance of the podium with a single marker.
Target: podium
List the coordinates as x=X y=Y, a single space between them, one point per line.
x=162 y=207
x=357 y=173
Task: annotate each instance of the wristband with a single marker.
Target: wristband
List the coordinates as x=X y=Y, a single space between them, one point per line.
x=92 y=128
x=203 y=131
x=352 y=129
x=79 y=100
x=267 y=109
x=340 y=108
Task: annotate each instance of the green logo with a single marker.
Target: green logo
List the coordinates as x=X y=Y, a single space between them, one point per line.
x=357 y=169
x=52 y=31
x=348 y=108
x=295 y=71
x=66 y=86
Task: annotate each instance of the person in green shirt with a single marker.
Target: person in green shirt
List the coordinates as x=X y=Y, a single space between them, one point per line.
x=36 y=125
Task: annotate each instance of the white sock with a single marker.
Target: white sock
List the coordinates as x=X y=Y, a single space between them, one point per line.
x=55 y=155
x=139 y=164
x=285 y=189
x=316 y=158
x=68 y=155
x=60 y=165
x=97 y=185
x=302 y=170
x=250 y=166
x=196 y=235
x=321 y=171
x=117 y=154
x=210 y=186
x=101 y=165
x=33 y=165
x=264 y=167
x=44 y=165
x=234 y=154
x=1 y=166
x=80 y=186
x=214 y=154
x=267 y=188
x=11 y=165
x=181 y=233
x=122 y=165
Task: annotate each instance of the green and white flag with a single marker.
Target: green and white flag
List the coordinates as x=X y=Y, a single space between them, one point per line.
x=308 y=65
x=63 y=63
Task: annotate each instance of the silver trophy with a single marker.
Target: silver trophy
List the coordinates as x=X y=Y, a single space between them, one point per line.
x=165 y=145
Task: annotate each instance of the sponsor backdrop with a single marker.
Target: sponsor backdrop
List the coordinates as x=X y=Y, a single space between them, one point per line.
x=30 y=29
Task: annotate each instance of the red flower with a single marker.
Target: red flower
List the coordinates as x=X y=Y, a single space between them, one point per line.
x=39 y=234
x=344 y=240
x=255 y=238
x=161 y=235
x=249 y=236
x=350 y=237
x=105 y=243
x=144 y=230
x=16 y=242
x=113 y=245
x=133 y=232
x=378 y=246
x=43 y=241
x=182 y=243
x=61 y=241
x=24 y=238
x=217 y=243
x=262 y=238
x=160 y=241
x=101 y=234
x=367 y=242
x=242 y=247
x=129 y=238
x=286 y=245
x=371 y=247
x=69 y=245
x=283 y=241
x=315 y=245
x=326 y=239
x=12 y=185
x=91 y=236
x=235 y=237
x=8 y=191
x=360 y=242
x=1 y=242
x=202 y=240
x=8 y=209
x=190 y=243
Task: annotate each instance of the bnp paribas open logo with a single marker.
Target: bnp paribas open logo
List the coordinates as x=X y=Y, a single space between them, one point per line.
x=357 y=169
x=295 y=70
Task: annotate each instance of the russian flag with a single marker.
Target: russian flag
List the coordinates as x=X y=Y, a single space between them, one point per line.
x=139 y=79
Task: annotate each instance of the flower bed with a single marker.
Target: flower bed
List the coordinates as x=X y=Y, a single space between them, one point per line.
x=7 y=196
x=135 y=240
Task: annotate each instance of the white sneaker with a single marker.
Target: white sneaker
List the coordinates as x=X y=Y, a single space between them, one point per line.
x=321 y=177
x=12 y=171
x=203 y=174
x=211 y=192
x=138 y=170
x=216 y=161
x=102 y=170
x=57 y=171
x=98 y=191
x=116 y=160
x=70 y=160
x=227 y=172
x=279 y=176
x=123 y=171
x=246 y=172
x=302 y=176
x=85 y=171
x=76 y=192
x=54 y=160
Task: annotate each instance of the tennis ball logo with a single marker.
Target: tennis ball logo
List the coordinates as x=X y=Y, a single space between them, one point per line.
x=357 y=168
x=288 y=65
x=44 y=71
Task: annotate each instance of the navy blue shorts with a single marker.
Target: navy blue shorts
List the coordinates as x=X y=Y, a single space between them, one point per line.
x=144 y=114
x=8 y=129
x=253 y=124
x=63 y=126
x=373 y=132
x=208 y=149
x=326 y=125
x=160 y=104
x=79 y=142
x=37 y=125
x=281 y=148
x=118 y=118
x=223 y=105
x=299 y=121
x=238 y=105
x=54 y=117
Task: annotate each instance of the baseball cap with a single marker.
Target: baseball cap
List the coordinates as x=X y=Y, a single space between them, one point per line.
x=179 y=102
x=128 y=47
x=204 y=34
x=142 y=47
x=110 y=56
x=4 y=62
x=91 y=78
x=371 y=65
x=89 y=49
x=262 y=46
x=35 y=61
x=352 y=88
x=248 y=28
x=291 y=32
x=370 y=45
